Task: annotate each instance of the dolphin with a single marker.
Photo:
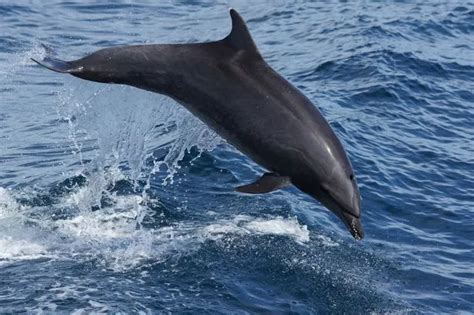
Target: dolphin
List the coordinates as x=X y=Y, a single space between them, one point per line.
x=228 y=85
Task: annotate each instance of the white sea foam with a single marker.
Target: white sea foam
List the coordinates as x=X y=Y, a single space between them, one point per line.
x=114 y=236
x=12 y=249
x=8 y=204
x=113 y=233
x=14 y=244
x=247 y=225
x=280 y=226
x=326 y=241
x=64 y=290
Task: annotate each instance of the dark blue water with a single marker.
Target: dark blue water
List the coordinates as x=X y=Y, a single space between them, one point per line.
x=117 y=200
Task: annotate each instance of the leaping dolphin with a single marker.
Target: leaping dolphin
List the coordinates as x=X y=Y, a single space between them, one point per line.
x=229 y=86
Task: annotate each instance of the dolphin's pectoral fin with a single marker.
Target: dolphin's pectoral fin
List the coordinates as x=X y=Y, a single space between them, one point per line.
x=267 y=183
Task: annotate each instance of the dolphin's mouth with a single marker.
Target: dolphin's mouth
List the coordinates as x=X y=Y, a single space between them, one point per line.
x=353 y=224
x=356 y=229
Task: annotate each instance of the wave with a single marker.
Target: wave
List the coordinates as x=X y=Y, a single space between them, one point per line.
x=116 y=234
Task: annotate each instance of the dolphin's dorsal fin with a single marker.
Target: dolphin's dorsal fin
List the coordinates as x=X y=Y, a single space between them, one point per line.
x=239 y=36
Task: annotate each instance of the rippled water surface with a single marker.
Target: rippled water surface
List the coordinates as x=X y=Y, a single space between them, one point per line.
x=115 y=199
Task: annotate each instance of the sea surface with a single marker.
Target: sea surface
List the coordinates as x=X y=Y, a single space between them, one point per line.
x=117 y=200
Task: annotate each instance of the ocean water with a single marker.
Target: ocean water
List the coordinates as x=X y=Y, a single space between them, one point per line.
x=113 y=199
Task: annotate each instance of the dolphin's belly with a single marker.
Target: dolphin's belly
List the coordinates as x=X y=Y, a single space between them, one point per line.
x=269 y=136
x=253 y=142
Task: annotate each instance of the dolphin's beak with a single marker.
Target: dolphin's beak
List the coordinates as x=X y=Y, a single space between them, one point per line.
x=350 y=215
x=353 y=224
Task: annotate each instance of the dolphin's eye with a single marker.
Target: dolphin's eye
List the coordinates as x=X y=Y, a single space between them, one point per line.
x=351 y=176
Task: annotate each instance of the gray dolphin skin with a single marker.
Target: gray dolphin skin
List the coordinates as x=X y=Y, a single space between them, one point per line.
x=229 y=86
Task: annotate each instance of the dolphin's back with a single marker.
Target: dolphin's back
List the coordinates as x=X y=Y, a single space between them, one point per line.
x=252 y=106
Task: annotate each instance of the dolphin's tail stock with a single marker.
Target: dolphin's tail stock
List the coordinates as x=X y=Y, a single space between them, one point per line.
x=54 y=64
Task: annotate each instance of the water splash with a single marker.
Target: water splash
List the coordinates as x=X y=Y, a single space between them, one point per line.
x=127 y=125
x=114 y=131
x=8 y=204
x=17 y=62
x=119 y=128
x=243 y=224
x=110 y=236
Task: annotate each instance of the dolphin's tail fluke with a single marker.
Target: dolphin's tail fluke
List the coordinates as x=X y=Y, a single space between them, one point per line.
x=52 y=63
x=57 y=65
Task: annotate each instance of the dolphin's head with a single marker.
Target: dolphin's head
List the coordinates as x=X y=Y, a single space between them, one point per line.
x=340 y=194
x=329 y=178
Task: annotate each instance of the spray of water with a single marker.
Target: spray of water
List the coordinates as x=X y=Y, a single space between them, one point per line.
x=120 y=127
x=114 y=132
